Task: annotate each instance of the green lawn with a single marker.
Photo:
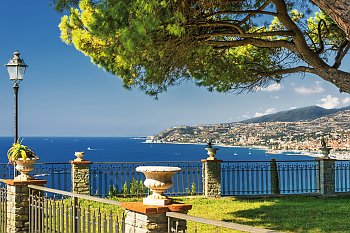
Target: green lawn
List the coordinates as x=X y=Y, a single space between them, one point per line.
x=288 y=214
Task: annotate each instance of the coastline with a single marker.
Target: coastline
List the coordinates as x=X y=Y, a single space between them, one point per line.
x=203 y=144
x=333 y=155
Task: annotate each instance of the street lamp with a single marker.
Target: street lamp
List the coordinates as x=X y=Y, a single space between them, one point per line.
x=16 y=69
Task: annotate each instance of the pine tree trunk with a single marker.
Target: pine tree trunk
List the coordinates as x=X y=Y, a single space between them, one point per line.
x=339 y=11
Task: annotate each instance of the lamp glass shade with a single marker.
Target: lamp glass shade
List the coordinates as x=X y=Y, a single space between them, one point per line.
x=16 y=72
x=16 y=67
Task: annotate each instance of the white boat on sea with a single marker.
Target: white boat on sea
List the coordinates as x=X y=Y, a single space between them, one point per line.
x=273 y=152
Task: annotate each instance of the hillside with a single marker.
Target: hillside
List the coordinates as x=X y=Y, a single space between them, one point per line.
x=291 y=134
x=294 y=115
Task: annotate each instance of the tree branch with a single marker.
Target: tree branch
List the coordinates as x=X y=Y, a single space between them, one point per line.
x=344 y=48
x=249 y=35
x=216 y=24
x=319 y=31
x=262 y=7
x=292 y=70
x=253 y=41
x=302 y=47
x=312 y=41
x=255 y=12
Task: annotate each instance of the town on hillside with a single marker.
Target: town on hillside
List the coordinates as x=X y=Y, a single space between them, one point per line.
x=289 y=136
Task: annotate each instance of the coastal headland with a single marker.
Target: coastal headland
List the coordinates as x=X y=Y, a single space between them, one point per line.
x=299 y=136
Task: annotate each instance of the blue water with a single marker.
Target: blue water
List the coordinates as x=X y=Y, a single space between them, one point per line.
x=117 y=149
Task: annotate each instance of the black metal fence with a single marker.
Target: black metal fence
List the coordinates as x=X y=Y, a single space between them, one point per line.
x=245 y=178
x=121 y=179
x=58 y=175
x=342 y=176
x=6 y=171
x=298 y=177
x=266 y=178
x=52 y=210
x=237 y=177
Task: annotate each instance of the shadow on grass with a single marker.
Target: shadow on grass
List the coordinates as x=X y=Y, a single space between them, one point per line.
x=297 y=214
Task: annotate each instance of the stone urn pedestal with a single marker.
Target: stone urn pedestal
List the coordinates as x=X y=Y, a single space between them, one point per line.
x=158 y=180
x=325 y=152
x=24 y=167
x=211 y=153
x=79 y=155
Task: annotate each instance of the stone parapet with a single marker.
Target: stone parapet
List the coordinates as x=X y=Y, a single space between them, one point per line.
x=327 y=177
x=211 y=175
x=140 y=218
x=274 y=178
x=80 y=177
x=18 y=204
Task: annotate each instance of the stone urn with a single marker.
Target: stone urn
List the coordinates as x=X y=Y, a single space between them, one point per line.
x=158 y=180
x=211 y=153
x=24 y=167
x=325 y=152
x=79 y=155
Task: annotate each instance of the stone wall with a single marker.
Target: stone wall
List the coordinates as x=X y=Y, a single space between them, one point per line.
x=327 y=177
x=17 y=208
x=211 y=178
x=18 y=204
x=140 y=218
x=80 y=177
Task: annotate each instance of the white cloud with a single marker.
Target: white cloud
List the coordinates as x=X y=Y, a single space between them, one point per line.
x=310 y=90
x=346 y=101
x=276 y=97
x=267 y=111
x=329 y=102
x=247 y=115
x=272 y=87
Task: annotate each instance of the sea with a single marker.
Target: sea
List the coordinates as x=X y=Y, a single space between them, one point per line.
x=134 y=149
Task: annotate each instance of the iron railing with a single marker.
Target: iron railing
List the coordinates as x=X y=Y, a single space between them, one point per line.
x=215 y=225
x=237 y=177
x=120 y=177
x=6 y=171
x=57 y=174
x=298 y=177
x=342 y=176
x=52 y=210
x=259 y=178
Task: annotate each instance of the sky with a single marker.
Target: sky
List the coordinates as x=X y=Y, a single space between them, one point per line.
x=64 y=94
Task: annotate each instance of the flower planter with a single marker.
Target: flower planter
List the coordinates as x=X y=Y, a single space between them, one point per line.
x=211 y=153
x=158 y=180
x=79 y=156
x=24 y=167
x=325 y=152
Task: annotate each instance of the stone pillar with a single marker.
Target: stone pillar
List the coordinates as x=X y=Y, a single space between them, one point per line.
x=140 y=218
x=80 y=176
x=211 y=176
x=274 y=178
x=18 y=204
x=327 y=177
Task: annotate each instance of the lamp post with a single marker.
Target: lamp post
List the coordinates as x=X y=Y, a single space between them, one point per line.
x=16 y=69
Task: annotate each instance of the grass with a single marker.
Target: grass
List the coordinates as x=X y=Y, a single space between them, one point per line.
x=301 y=214
x=288 y=214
